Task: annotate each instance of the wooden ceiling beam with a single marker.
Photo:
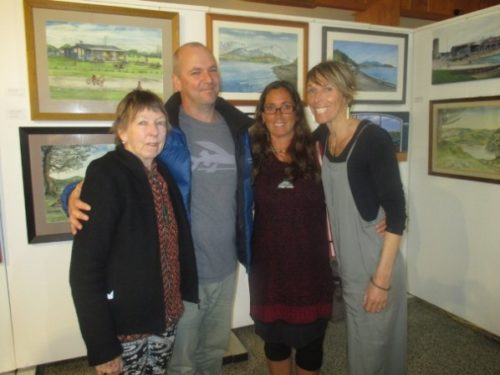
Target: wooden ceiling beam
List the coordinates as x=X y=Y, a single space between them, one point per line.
x=384 y=12
x=380 y=12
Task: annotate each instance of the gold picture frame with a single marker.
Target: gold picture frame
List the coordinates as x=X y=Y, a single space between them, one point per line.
x=253 y=52
x=83 y=58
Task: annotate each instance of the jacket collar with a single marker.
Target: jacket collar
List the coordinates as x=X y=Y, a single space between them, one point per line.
x=232 y=115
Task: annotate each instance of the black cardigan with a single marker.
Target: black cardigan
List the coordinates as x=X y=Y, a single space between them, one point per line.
x=115 y=271
x=373 y=174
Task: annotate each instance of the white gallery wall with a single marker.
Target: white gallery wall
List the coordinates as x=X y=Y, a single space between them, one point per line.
x=450 y=245
x=453 y=239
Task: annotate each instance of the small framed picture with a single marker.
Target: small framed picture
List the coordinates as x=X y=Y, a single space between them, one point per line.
x=378 y=60
x=465 y=138
x=53 y=157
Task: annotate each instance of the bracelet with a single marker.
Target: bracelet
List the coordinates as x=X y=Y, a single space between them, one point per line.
x=378 y=286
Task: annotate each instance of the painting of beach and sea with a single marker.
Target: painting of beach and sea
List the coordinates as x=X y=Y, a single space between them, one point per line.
x=378 y=60
x=53 y=157
x=465 y=138
x=254 y=52
x=467 y=51
x=395 y=123
x=82 y=62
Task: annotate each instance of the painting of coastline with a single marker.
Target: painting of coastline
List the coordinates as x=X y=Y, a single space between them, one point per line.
x=81 y=62
x=467 y=51
x=251 y=55
x=377 y=59
x=465 y=138
x=375 y=65
x=395 y=123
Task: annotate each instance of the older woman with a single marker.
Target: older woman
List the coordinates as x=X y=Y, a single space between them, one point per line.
x=130 y=265
x=361 y=179
x=290 y=277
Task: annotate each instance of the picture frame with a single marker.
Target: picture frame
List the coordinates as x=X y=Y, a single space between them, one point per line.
x=84 y=58
x=464 y=138
x=466 y=51
x=53 y=157
x=252 y=52
x=378 y=59
x=397 y=124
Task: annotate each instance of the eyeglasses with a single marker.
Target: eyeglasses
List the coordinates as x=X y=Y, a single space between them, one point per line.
x=285 y=109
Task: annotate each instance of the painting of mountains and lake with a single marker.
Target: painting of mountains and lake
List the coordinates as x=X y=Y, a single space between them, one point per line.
x=377 y=59
x=252 y=53
x=465 y=138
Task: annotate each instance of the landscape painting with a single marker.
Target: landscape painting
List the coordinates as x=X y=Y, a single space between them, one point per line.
x=254 y=52
x=53 y=158
x=83 y=63
x=378 y=60
x=467 y=51
x=465 y=138
x=395 y=123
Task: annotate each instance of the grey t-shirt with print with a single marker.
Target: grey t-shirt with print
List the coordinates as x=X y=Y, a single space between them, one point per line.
x=213 y=196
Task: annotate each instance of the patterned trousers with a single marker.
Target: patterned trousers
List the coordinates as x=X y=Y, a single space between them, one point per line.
x=150 y=355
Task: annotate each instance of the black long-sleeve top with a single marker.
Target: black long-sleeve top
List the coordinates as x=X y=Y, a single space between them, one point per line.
x=373 y=174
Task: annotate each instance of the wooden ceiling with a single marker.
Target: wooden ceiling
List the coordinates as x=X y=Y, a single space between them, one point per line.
x=388 y=12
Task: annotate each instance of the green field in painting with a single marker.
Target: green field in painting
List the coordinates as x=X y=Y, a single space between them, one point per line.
x=71 y=79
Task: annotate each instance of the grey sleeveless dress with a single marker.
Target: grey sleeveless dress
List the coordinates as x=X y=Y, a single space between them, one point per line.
x=376 y=342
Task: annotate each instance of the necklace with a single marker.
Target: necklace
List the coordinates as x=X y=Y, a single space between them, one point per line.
x=281 y=154
x=280 y=151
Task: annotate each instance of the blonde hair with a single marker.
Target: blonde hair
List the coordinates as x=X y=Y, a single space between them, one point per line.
x=338 y=74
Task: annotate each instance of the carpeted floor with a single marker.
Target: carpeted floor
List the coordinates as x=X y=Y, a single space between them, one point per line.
x=438 y=345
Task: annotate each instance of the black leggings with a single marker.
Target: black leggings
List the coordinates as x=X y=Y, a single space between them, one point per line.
x=309 y=357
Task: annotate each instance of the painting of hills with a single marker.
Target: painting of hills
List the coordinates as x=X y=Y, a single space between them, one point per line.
x=249 y=59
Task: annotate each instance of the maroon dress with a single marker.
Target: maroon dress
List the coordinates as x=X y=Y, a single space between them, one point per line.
x=290 y=277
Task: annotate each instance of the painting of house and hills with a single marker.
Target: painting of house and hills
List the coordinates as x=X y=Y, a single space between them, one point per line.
x=375 y=65
x=467 y=53
x=102 y=62
x=250 y=59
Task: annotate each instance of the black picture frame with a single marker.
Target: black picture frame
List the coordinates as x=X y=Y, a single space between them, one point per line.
x=55 y=151
x=379 y=60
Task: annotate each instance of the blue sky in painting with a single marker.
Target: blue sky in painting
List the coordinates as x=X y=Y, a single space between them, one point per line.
x=126 y=37
x=361 y=51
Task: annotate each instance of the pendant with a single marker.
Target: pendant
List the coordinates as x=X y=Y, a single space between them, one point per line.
x=286 y=184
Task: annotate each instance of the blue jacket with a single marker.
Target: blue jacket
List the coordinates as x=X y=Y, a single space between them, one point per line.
x=176 y=157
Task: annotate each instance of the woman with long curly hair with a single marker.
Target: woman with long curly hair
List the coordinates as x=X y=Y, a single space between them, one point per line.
x=291 y=283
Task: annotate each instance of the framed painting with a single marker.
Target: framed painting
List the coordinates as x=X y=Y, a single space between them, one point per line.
x=467 y=51
x=378 y=60
x=84 y=58
x=252 y=52
x=465 y=138
x=53 y=157
x=395 y=123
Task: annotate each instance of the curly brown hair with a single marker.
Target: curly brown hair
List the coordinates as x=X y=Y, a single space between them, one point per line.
x=302 y=150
